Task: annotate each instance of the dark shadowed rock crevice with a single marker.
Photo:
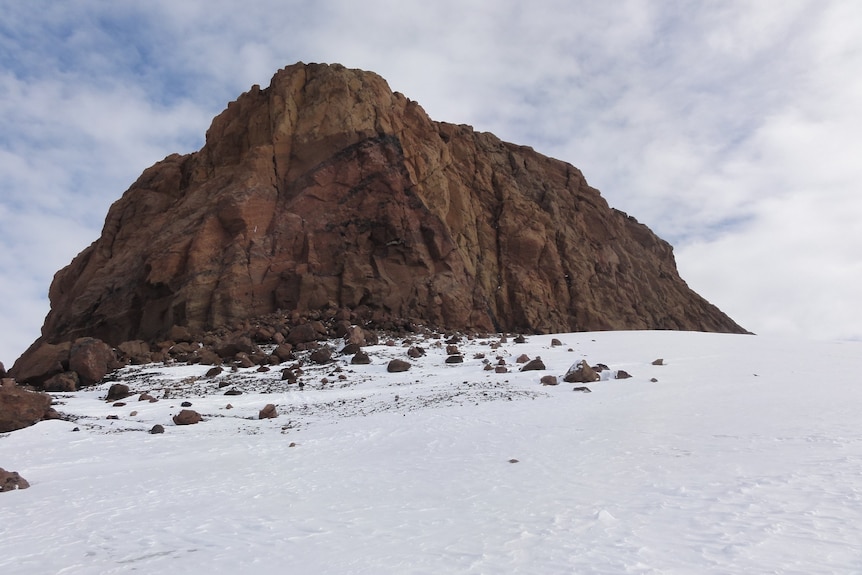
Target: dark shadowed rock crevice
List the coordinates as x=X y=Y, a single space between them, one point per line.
x=328 y=190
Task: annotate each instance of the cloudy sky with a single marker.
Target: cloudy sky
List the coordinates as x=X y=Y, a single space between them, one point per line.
x=732 y=128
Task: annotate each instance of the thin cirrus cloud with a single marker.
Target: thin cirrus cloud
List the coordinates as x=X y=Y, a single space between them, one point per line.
x=730 y=128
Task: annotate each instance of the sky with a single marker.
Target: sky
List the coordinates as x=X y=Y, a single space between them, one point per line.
x=733 y=129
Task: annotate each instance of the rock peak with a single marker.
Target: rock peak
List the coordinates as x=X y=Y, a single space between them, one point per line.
x=327 y=189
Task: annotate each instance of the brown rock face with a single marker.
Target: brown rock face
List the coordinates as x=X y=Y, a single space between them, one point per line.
x=327 y=190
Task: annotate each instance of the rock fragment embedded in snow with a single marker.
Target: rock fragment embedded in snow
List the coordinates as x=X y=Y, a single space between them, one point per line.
x=583 y=389
x=118 y=391
x=157 y=428
x=214 y=371
x=549 y=380
x=455 y=359
x=556 y=343
x=360 y=358
x=187 y=417
x=523 y=358
x=581 y=372
x=10 y=480
x=658 y=361
x=321 y=355
x=622 y=374
x=415 y=352
x=268 y=412
x=397 y=365
x=534 y=365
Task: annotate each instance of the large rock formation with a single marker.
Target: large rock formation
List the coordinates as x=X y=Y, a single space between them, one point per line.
x=328 y=190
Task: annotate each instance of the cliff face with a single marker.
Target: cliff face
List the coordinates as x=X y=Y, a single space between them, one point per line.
x=328 y=190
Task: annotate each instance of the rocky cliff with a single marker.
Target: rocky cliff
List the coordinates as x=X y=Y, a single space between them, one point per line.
x=328 y=190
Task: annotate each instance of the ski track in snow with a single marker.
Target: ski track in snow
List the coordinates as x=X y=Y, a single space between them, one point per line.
x=744 y=457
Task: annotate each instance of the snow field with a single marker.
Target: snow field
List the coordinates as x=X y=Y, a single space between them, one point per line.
x=744 y=457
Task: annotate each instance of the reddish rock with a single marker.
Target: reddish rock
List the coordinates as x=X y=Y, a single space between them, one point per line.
x=549 y=380
x=534 y=365
x=209 y=357
x=523 y=358
x=187 y=417
x=326 y=190
x=10 y=480
x=214 y=371
x=397 y=365
x=306 y=333
x=234 y=345
x=92 y=359
x=64 y=382
x=581 y=372
x=118 y=391
x=284 y=352
x=137 y=352
x=268 y=412
x=415 y=352
x=321 y=355
x=360 y=358
x=20 y=408
x=40 y=362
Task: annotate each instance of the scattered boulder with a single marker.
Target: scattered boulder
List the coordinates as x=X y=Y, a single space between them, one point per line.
x=523 y=358
x=234 y=345
x=64 y=382
x=653 y=380
x=622 y=374
x=501 y=369
x=147 y=397
x=452 y=350
x=321 y=355
x=187 y=417
x=214 y=371
x=40 y=362
x=583 y=389
x=186 y=404
x=360 y=358
x=180 y=333
x=520 y=339
x=284 y=352
x=10 y=481
x=455 y=359
x=350 y=349
x=416 y=352
x=209 y=357
x=556 y=343
x=581 y=372
x=659 y=361
x=534 y=365
x=233 y=392
x=20 y=408
x=397 y=365
x=136 y=351
x=157 y=428
x=268 y=412
x=306 y=333
x=92 y=359
x=549 y=380
x=118 y=391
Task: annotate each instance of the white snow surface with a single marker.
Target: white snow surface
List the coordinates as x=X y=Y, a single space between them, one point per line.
x=745 y=456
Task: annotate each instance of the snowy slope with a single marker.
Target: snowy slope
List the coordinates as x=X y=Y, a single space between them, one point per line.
x=744 y=457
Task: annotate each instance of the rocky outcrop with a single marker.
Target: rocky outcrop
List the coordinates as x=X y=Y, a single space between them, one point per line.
x=328 y=190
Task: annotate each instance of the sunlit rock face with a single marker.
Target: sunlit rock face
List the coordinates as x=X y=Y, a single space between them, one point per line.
x=328 y=190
